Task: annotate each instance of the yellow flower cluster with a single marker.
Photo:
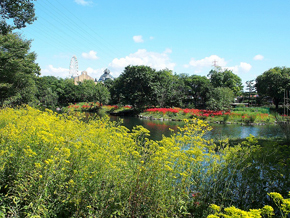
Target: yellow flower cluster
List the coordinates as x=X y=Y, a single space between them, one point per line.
x=96 y=165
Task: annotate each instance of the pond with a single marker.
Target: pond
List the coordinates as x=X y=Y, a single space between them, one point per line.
x=158 y=128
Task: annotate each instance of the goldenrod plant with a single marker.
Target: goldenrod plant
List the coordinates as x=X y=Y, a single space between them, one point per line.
x=64 y=165
x=267 y=211
x=57 y=165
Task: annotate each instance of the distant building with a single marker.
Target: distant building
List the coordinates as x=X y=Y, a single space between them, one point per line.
x=84 y=76
x=106 y=76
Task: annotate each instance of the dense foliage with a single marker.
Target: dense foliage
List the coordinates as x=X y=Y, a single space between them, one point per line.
x=18 y=71
x=54 y=92
x=220 y=98
x=58 y=165
x=20 y=11
x=226 y=78
x=273 y=83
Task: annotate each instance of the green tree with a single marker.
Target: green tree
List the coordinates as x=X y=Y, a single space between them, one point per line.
x=102 y=94
x=69 y=92
x=220 y=98
x=135 y=86
x=48 y=89
x=49 y=98
x=164 y=87
x=87 y=90
x=198 y=87
x=273 y=83
x=18 y=70
x=178 y=91
x=226 y=78
x=20 y=12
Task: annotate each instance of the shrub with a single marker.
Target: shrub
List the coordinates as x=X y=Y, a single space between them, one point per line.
x=57 y=165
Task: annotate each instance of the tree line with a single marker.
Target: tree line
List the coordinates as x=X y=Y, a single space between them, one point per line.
x=139 y=86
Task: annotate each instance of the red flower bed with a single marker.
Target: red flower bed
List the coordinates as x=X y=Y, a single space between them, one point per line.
x=194 y=112
x=162 y=110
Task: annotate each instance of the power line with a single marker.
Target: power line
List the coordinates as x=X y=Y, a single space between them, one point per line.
x=76 y=31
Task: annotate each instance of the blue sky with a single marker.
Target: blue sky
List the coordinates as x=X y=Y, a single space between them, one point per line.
x=186 y=36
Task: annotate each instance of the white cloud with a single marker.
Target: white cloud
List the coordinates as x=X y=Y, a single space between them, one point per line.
x=206 y=63
x=245 y=66
x=155 y=60
x=138 y=39
x=83 y=2
x=151 y=37
x=57 y=72
x=258 y=57
x=92 y=55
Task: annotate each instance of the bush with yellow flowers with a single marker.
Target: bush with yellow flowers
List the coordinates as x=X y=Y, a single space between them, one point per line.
x=267 y=211
x=62 y=165
x=58 y=165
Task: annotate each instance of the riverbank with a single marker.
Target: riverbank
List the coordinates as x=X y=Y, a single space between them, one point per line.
x=207 y=120
x=241 y=116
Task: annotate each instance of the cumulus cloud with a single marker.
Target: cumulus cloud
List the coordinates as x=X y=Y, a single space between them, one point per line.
x=258 y=57
x=138 y=39
x=245 y=66
x=92 y=55
x=83 y=2
x=207 y=62
x=155 y=60
x=53 y=71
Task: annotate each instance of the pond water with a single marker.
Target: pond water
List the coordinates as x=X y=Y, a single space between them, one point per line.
x=158 y=128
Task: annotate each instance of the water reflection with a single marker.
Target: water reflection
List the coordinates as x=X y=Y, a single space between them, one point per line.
x=158 y=128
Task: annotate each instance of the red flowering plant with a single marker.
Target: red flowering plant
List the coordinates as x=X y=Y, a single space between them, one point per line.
x=185 y=113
